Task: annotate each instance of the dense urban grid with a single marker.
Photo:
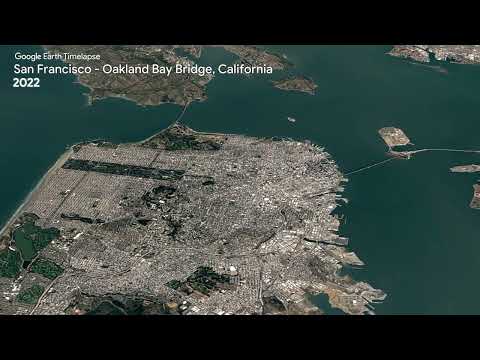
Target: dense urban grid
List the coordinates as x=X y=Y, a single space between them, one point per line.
x=182 y=223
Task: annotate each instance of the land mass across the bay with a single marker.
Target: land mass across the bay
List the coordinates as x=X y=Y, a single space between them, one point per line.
x=466 y=168
x=473 y=168
x=182 y=223
x=461 y=54
x=149 y=89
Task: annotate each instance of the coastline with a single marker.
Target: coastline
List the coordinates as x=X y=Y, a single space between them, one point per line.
x=58 y=163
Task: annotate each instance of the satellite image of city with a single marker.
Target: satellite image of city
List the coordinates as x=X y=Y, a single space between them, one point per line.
x=239 y=180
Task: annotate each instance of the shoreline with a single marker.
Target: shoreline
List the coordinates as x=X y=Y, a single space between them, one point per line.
x=58 y=163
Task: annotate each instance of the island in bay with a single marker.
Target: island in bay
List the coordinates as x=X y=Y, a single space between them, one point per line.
x=296 y=83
